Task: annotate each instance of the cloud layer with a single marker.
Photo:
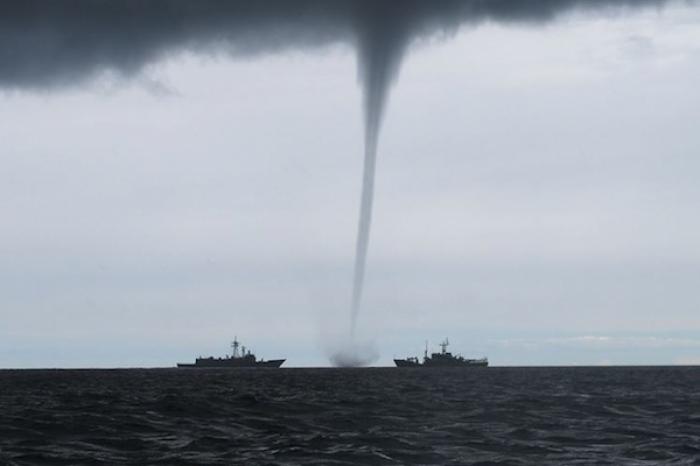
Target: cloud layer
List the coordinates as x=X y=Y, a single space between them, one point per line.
x=47 y=44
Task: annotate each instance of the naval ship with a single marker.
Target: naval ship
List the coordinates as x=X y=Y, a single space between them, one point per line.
x=441 y=359
x=238 y=358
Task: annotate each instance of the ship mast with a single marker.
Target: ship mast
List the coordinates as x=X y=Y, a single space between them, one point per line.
x=234 y=348
x=444 y=344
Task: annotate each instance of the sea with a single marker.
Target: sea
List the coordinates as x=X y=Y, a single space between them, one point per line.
x=364 y=416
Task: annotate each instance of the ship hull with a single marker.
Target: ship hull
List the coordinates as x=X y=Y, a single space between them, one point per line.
x=405 y=363
x=434 y=364
x=232 y=363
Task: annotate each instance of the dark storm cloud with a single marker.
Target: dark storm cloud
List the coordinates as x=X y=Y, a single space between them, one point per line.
x=45 y=44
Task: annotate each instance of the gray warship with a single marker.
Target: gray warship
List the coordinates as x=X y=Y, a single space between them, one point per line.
x=238 y=358
x=441 y=359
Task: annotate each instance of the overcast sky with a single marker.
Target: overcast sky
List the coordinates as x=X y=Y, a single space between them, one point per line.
x=536 y=202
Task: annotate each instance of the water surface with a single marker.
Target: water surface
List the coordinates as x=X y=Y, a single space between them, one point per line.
x=382 y=416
